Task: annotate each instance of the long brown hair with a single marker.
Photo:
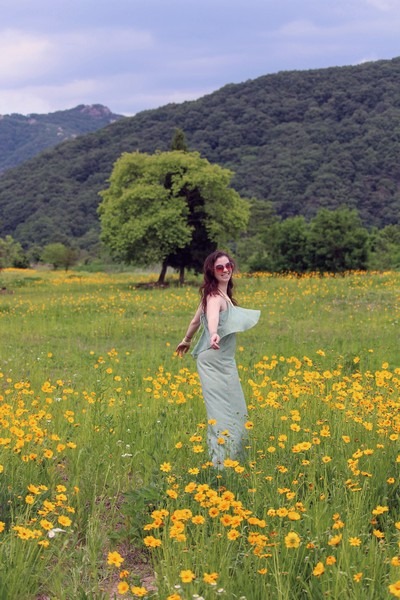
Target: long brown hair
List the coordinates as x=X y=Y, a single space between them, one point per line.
x=209 y=287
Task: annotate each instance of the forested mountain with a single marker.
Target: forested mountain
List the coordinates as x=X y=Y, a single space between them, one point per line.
x=300 y=139
x=22 y=137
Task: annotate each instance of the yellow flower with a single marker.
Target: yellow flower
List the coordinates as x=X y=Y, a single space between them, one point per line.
x=319 y=569
x=151 y=542
x=354 y=541
x=194 y=471
x=378 y=534
x=249 y=425
x=379 y=510
x=187 y=576
x=293 y=515
x=29 y=499
x=114 y=558
x=2 y=526
x=394 y=589
x=23 y=533
x=330 y=560
x=138 y=591
x=210 y=578
x=357 y=577
x=174 y=597
x=302 y=447
x=166 y=467
x=198 y=448
x=226 y=520
x=335 y=540
x=64 y=521
x=233 y=534
x=198 y=519
x=292 y=540
x=395 y=562
x=123 y=587
x=47 y=525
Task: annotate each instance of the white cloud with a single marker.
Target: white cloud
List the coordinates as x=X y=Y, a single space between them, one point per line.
x=300 y=27
x=22 y=102
x=99 y=41
x=385 y=5
x=136 y=54
x=23 y=55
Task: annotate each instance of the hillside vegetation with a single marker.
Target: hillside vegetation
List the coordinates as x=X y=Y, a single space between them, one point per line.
x=22 y=137
x=302 y=140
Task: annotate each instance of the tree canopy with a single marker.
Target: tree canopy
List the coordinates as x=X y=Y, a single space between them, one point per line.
x=333 y=241
x=170 y=208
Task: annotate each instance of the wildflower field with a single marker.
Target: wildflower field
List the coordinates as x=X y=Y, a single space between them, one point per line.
x=105 y=486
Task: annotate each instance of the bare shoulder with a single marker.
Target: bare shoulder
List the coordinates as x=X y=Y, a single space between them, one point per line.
x=216 y=301
x=214 y=298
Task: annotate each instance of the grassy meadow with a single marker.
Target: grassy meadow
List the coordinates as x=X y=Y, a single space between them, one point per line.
x=105 y=486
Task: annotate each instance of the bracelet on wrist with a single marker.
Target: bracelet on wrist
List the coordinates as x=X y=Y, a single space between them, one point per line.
x=187 y=339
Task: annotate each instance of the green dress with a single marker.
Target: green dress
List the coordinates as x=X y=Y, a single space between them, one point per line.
x=222 y=391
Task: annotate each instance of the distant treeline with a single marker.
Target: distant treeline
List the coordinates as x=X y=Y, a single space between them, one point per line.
x=333 y=241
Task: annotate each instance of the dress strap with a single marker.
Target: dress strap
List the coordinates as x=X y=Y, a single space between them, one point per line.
x=226 y=297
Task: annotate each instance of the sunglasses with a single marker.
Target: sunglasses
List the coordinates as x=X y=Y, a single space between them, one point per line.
x=220 y=268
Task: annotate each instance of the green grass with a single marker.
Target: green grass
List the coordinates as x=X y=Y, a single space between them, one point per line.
x=93 y=401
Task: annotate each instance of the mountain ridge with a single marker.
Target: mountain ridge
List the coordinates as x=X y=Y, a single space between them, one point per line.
x=24 y=136
x=302 y=140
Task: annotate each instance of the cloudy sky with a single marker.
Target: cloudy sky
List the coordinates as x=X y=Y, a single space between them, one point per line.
x=132 y=55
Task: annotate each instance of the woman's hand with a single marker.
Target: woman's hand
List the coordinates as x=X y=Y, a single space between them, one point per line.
x=214 y=339
x=182 y=348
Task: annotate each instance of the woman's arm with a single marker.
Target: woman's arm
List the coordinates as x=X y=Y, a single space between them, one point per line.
x=214 y=305
x=194 y=324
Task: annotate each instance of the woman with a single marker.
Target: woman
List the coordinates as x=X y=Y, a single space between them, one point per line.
x=215 y=353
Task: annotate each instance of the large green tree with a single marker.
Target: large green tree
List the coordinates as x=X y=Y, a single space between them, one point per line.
x=59 y=255
x=289 y=245
x=171 y=208
x=337 y=241
x=12 y=254
x=385 y=248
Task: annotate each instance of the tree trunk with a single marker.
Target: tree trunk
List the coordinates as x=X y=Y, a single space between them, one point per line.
x=181 y=275
x=161 y=278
